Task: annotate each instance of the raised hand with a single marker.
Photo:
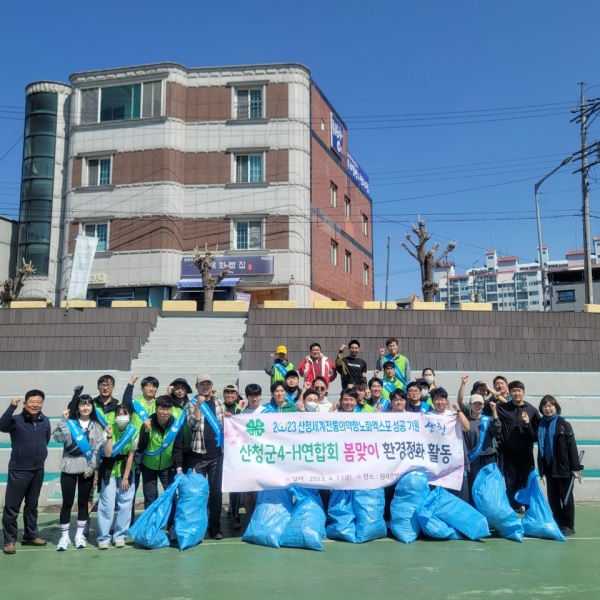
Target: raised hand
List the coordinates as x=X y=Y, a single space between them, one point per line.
x=525 y=418
x=133 y=379
x=464 y=378
x=381 y=351
x=109 y=431
x=15 y=401
x=66 y=413
x=147 y=425
x=342 y=347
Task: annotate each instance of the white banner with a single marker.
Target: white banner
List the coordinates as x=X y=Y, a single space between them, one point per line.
x=85 y=250
x=349 y=451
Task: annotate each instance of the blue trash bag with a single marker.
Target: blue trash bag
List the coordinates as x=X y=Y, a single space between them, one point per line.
x=431 y=525
x=191 y=517
x=538 y=521
x=271 y=515
x=489 y=495
x=343 y=518
x=459 y=515
x=368 y=507
x=306 y=528
x=148 y=531
x=411 y=490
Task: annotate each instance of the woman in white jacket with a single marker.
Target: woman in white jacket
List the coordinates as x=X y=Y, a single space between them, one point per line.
x=82 y=435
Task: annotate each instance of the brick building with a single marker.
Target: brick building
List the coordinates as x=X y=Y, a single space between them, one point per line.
x=156 y=159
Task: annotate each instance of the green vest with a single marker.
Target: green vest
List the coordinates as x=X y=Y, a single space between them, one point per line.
x=385 y=394
x=150 y=408
x=161 y=461
x=400 y=361
x=110 y=417
x=119 y=467
x=277 y=376
x=367 y=408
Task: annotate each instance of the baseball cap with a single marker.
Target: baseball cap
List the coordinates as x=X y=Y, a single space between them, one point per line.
x=281 y=350
x=422 y=383
x=230 y=388
x=202 y=378
x=476 y=398
x=477 y=384
x=292 y=373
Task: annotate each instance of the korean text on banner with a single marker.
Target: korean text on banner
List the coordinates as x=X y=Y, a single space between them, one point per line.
x=85 y=250
x=349 y=451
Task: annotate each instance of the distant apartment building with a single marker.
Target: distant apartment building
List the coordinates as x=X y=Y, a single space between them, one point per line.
x=8 y=247
x=509 y=284
x=157 y=159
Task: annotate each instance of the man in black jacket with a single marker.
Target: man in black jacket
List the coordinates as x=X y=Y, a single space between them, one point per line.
x=29 y=436
x=519 y=421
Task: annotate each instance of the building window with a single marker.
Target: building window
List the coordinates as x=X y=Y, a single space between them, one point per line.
x=346 y=207
x=347 y=261
x=334 y=249
x=98 y=171
x=248 y=235
x=249 y=168
x=100 y=231
x=565 y=296
x=333 y=194
x=121 y=102
x=366 y=274
x=249 y=104
x=365 y=225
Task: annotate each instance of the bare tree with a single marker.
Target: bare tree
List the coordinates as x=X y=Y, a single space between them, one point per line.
x=426 y=258
x=10 y=289
x=204 y=261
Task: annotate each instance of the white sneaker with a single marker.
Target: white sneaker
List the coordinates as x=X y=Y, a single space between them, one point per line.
x=103 y=545
x=63 y=543
x=79 y=541
x=120 y=543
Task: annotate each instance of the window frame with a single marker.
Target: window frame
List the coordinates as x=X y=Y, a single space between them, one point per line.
x=334 y=253
x=333 y=193
x=347 y=262
x=365 y=274
x=563 y=300
x=108 y=157
x=248 y=88
x=96 y=224
x=347 y=207
x=234 y=240
x=248 y=155
x=365 y=225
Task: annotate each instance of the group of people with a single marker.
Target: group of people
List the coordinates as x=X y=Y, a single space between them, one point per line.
x=112 y=446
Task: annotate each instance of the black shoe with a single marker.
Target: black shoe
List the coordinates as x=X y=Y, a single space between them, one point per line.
x=520 y=510
x=86 y=529
x=567 y=531
x=237 y=524
x=216 y=535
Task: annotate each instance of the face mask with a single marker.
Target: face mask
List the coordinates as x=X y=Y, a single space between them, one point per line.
x=424 y=394
x=122 y=422
x=428 y=379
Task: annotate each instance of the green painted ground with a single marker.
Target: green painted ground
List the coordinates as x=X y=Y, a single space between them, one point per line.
x=494 y=568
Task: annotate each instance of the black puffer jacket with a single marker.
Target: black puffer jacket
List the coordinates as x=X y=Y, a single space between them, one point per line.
x=565 y=458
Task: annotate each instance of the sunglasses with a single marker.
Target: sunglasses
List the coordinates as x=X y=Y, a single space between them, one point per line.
x=320 y=389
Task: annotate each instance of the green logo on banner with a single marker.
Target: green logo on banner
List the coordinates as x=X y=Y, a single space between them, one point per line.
x=255 y=428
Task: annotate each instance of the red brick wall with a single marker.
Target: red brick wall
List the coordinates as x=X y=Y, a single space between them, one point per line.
x=320 y=111
x=276 y=106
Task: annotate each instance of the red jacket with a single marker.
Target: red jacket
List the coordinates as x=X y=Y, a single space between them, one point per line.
x=310 y=369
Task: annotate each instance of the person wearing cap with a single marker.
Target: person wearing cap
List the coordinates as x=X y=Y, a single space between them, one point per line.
x=519 y=421
x=231 y=398
x=317 y=364
x=390 y=352
x=278 y=366
x=292 y=379
x=482 y=389
x=415 y=403
x=205 y=415
x=352 y=369
x=178 y=390
x=479 y=432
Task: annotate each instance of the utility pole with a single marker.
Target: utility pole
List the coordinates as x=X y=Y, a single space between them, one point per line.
x=585 y=111
x=448 y=283
x=587 y=257
x=387 y=272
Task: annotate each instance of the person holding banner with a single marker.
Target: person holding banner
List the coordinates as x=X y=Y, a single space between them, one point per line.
x=116 y=475
x=398 y=401
x=253 y=394
x=558 y=462
x=205 y=415
x=82 y=434
x=390 y=352
x=479 y=433
x=278 y=366
x=349 y=401
x=415 y=403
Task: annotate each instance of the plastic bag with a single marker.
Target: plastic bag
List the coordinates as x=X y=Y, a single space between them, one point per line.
x=459 y=515
x=191 y=517
x=306 y=527
x=411 y=490
x=271 y=515
x=148 y=531
x=343 y=518
x=431 y=525
x=538 y=521
x=489 y=495
x=368 y=507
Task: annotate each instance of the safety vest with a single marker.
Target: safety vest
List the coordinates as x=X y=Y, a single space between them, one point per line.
x=280 y=371
x=161 y=461
x=389 y=386
x=119 y=466
x=150 y=408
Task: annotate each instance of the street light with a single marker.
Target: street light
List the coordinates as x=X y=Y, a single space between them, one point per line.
x=539 y=228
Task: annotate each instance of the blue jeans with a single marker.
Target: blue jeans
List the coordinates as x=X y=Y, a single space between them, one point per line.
x=106 y=509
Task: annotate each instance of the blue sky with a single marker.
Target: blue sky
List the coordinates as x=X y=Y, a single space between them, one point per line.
x=505 y=75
